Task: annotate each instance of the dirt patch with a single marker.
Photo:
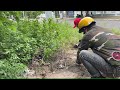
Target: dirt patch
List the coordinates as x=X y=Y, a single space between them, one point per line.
x=63 y=68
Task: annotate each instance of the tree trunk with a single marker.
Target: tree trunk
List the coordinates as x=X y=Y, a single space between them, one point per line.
x=87 y=13
x=81 y=13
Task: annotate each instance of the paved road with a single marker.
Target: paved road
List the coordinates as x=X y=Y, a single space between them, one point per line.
x=107 y=23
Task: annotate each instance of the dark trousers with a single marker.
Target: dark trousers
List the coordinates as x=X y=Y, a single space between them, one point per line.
x=96 y=65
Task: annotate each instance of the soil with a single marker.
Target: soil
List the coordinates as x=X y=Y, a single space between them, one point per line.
x=62 y=68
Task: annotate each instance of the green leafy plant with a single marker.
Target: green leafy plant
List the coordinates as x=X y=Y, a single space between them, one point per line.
x=21 y=39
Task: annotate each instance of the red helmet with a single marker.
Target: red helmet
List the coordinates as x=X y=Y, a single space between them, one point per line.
x=76 y=21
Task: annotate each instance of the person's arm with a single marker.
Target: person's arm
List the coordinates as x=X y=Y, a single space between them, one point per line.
x=84 y=44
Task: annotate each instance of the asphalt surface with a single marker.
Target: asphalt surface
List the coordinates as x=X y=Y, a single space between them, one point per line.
x=109 y=23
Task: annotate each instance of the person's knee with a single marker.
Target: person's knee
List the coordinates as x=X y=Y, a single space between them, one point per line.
x=83 y=53
x=86 y=55
x=80 y=56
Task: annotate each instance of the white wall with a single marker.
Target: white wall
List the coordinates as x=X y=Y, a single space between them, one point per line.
x=48 y=14
x=116 y=13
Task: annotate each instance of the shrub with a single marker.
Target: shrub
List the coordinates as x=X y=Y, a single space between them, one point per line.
x=20 y=41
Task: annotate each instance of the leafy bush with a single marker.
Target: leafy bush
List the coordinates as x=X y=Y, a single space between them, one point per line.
x=20 y=41
x=11 y=70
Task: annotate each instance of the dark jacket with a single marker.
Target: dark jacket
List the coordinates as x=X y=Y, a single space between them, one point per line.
x=102 y=42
